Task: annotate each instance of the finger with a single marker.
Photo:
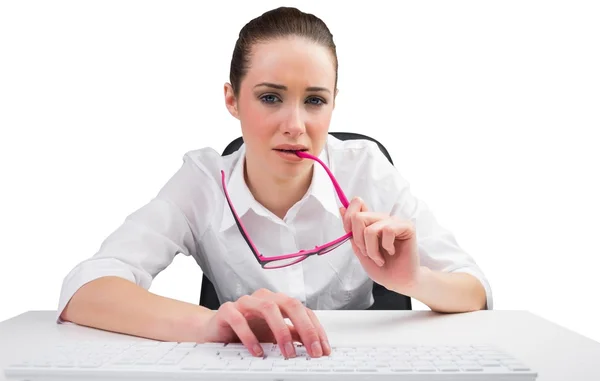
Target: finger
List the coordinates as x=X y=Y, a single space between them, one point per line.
x=388 y=238
x=393 y=231
x=324 y=340
x=358 y=235
x=354 y=207
x=240 y=326
x=372 y=234
x=295 y=335
x=357 y=251
x=370 y=218
x=403 y=230
x=342 y=214
x=348 y=228
x=269 y=310
x=296 y=312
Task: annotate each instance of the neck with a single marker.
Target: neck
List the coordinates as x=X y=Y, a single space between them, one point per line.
x=276 y=194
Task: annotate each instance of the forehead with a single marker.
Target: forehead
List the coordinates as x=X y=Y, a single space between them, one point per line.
x=292 y=61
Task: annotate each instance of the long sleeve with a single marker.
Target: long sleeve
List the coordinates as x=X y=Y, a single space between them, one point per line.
x=438 y=247
x=149 y=238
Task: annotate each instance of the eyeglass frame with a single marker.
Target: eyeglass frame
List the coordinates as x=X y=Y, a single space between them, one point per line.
x=302 y=254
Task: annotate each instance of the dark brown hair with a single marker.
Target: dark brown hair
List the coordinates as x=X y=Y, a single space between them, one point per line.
x=277 y=23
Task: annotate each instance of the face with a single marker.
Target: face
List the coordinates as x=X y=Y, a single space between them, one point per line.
x=285 y=102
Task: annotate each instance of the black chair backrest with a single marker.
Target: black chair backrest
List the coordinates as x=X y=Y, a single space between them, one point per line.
x=384 y=299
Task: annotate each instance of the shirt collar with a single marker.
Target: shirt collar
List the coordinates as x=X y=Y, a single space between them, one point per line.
x=321 y=189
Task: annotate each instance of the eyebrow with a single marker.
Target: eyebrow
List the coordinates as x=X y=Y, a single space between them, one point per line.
x=282 y=87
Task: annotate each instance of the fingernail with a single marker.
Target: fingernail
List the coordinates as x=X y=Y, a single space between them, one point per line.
x=379 y=262
x=289 y=350
x=316 y=349
x=258 y=350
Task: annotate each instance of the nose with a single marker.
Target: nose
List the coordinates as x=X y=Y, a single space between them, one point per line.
x=293 y=125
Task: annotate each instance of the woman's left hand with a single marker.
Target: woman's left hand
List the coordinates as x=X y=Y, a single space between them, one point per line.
x=385 y=245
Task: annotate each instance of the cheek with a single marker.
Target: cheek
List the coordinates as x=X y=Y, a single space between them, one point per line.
x=318 y=124
x=254 y=120
x=324 y=119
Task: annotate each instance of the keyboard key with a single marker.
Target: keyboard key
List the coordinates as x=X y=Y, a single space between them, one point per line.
x=190 y=366
x=216 y=365
x=148 y=360
x=489 y=363
x=466 y=362
x=449 y=358
x=229 y=354
x=261 y=365
x=421 y=363
x=319 y=369
x=343 y=369
x=167 y=361
x=401 y=368
x=518 y=367
x=296 y=368
x=366 y=368
x=449 y=368
x=238 y=365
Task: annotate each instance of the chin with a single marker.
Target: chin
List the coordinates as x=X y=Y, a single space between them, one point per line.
x=287 y=170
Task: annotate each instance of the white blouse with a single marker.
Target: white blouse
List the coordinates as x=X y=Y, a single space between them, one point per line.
x=190 y=215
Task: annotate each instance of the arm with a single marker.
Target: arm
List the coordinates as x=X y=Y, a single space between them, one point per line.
x=428 y=264
x=448 y=279
x=446 y=292
x=110 y=290
x=114 y=304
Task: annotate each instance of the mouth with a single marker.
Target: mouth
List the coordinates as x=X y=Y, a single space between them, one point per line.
x=291 y=150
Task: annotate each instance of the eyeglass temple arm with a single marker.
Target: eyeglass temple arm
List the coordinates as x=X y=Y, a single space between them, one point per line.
x=336 y=185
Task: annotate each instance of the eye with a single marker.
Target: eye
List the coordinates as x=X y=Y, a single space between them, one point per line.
x=315 y=101
x=270 y=99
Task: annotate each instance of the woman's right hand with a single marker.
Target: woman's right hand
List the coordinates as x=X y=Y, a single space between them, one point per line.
x=259 y=318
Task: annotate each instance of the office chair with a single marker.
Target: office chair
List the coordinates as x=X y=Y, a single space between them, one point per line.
x=384 y=299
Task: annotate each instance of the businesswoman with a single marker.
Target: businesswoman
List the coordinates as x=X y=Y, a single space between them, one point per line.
x=293 y=221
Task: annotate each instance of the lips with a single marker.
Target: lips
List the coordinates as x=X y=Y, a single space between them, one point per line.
x=291 y=148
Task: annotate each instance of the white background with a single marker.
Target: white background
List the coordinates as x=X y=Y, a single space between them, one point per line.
x=489 y=109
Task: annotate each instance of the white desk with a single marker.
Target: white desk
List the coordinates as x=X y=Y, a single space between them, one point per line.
x=555 y=352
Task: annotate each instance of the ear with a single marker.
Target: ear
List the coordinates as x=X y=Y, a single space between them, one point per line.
x=231 y=101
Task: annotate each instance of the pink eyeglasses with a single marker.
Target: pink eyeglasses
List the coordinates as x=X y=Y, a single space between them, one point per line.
x=285 y=260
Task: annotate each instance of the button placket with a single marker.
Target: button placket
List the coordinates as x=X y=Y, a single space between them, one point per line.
x=295 y=275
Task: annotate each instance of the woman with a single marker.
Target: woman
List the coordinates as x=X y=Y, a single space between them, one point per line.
x=269 y=198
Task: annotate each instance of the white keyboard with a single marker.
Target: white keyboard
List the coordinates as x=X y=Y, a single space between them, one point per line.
x=152 y=360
